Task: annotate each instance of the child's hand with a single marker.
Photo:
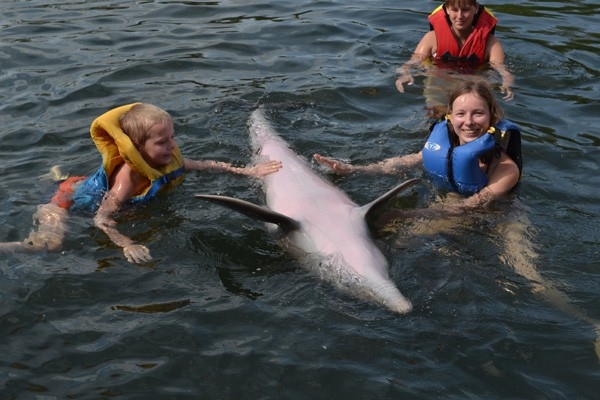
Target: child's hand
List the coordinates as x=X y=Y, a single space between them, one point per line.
x=137 y=253
x=265 y=168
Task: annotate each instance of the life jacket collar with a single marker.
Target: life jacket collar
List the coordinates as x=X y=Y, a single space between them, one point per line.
x=117 y=148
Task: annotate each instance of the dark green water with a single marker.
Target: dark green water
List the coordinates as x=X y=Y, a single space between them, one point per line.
x=233 y=316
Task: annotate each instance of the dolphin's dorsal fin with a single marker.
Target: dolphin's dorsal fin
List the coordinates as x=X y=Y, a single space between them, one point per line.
x=252 y=210
x=383 y=199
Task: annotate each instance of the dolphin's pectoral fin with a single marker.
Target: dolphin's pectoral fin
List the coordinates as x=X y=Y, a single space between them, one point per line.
x=252 y=210
x=383 y=199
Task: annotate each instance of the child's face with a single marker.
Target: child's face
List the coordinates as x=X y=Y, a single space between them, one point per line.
x=470 y=117
x=158 y=148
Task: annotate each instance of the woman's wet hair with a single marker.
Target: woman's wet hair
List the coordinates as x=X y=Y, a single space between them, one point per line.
x=482 y=90
x=461 y=3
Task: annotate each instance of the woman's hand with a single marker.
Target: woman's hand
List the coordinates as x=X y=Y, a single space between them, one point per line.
x=338 y=166
x=402 y=80
x=507 y=92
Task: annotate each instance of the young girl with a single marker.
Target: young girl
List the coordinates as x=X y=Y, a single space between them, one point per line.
x=140 y=160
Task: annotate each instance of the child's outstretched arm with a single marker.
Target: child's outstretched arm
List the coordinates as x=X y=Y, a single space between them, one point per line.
x=120 y=192
x=134 y=252
x=258 y=170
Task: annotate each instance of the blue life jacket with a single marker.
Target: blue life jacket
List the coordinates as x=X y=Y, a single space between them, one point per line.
x=456 y=168
x=89 y=193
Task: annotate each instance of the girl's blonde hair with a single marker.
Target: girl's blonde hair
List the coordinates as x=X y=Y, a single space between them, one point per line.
x=139 y=119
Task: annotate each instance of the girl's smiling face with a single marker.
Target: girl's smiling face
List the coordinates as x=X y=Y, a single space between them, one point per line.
x=470 y=117
x=158 y=147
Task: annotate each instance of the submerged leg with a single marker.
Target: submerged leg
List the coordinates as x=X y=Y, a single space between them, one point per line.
x=519 y=252
x=11 y=247
x=51 y=222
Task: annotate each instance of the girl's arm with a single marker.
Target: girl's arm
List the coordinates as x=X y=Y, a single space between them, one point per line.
x=120 y=192
x=258 y=170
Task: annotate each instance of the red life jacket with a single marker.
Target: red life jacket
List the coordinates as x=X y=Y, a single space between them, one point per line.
x=472 y=53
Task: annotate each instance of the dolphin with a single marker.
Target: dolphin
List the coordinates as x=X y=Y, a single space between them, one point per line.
x=319 y=222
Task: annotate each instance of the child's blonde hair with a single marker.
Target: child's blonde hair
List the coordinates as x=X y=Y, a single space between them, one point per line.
x=137 y=122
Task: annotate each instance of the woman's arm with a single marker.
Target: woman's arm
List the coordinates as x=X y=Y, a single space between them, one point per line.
x=387 y=166
x=496 y=60
x=423 y=51
x=501 y=179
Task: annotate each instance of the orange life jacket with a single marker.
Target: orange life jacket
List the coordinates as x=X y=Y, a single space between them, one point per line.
x=472 y=53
